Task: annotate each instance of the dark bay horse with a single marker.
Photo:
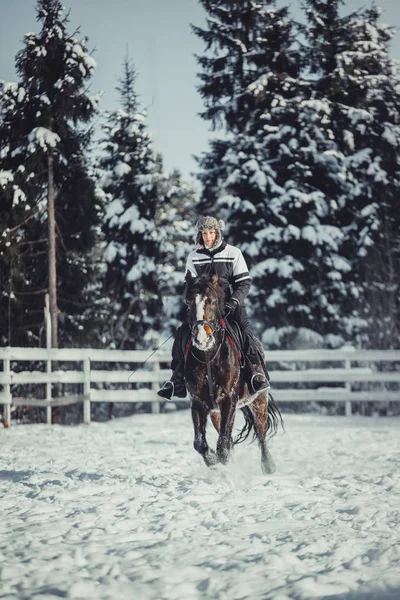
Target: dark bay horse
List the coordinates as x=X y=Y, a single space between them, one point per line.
x=216 y=381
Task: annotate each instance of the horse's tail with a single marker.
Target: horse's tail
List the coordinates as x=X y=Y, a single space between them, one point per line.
x=274 y=417
x=273 y=421
x=248 y=427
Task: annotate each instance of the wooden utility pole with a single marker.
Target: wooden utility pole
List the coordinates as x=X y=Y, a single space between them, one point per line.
x=52 y=253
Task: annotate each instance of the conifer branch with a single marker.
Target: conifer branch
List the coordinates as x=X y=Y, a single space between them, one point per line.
x=7 y=232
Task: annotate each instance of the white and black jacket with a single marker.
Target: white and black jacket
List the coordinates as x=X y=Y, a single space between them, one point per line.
x=228 y=263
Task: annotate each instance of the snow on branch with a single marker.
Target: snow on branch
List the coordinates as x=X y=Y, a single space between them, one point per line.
x=43 y=138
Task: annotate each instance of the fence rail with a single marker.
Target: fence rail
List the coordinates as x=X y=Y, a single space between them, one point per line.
x=352 y=375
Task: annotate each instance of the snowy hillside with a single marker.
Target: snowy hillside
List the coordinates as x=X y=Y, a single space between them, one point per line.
x=127 y=509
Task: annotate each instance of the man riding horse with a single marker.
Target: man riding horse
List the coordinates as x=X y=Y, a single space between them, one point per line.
x=212 y=255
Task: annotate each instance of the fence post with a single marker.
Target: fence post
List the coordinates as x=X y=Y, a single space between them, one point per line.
x=48 y=393
x=348 y=409
x=86 y=391
x=7 y=392
x=155 y=406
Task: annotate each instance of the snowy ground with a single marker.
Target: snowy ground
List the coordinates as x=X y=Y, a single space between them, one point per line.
x=127 y=510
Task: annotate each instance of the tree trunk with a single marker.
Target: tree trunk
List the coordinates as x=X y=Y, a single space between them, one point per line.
x=52 y=255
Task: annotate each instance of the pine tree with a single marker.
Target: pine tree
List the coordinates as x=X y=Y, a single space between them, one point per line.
x=130 y=181
x=44 y=115
x=299 y=180
x=350 y=54
x=300 y=270
x=275 y=178
x=245 y=39
x=248 y=42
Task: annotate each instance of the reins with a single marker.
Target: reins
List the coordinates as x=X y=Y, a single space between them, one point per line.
x=208 y=362
x=213 y=401
x=150 y=355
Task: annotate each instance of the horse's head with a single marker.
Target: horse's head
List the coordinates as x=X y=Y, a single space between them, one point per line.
x=204 y=298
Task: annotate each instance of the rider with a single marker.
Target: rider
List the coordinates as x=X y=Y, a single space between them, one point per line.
x=213 y=255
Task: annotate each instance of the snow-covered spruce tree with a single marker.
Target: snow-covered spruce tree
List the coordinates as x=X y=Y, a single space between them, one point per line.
x=13 y=212
x=43 y=115
x=349 y=55
x=130 y=181
x=299 y=275
x=243 y=39
x=306 y=139
x=246 y=41
x=276 y=179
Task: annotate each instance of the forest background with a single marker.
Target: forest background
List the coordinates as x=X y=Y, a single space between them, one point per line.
x=302 y=164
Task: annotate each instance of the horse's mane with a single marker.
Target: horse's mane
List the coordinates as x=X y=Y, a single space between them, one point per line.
x=203 y=285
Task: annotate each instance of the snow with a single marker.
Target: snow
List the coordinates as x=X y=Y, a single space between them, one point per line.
x=309 y=233
x=18 y=196
x=142 y=266
x=127 y=509
x=113 y=210
x=90 y=62
x=113 y=250
x=21 y=94
x=391 y=134
x=122 y=169
x=6 y=177
x=44 y=137
x=285 y=266
x=340 y=264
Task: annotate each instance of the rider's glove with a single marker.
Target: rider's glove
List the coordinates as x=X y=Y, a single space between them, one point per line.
x=231 y=305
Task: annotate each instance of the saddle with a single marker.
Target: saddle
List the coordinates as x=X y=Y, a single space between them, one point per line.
x=236 y=333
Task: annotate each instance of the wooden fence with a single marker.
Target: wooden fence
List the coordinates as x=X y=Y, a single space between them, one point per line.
x=344 y=376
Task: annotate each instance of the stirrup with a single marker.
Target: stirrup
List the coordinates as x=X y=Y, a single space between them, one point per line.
x=260 y=386
x=167 y=390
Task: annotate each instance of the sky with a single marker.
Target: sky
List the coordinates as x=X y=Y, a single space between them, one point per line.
x=158 y=38
x=127 y=509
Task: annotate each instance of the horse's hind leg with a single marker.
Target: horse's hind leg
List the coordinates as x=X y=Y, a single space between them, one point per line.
x=199 y=418
x=259 y=408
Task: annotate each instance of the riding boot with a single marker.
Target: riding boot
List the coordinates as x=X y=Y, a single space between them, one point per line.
x=176 y=385
x=258 y=377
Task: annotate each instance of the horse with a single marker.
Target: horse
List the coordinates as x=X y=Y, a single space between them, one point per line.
x=216 y=381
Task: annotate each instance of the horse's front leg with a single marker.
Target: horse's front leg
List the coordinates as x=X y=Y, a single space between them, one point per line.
x=225 y=441
x=199 y=418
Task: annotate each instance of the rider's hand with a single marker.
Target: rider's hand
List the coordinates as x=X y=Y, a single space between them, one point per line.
x=231 y=305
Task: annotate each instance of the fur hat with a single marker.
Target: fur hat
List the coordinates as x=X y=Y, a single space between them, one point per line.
x=209 y=223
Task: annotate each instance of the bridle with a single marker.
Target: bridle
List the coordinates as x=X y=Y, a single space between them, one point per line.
x=212 y=329
x=207 y=325
x=208 y=360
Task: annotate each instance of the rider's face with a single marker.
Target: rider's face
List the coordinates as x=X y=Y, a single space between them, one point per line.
x=209 y=236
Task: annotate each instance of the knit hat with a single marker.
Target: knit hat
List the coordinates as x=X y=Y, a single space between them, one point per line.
x=209 y=223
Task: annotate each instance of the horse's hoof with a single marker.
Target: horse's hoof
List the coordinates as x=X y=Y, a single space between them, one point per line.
x=268 y=467
x=210 y=458
x=223 y=458
x=267 y=462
